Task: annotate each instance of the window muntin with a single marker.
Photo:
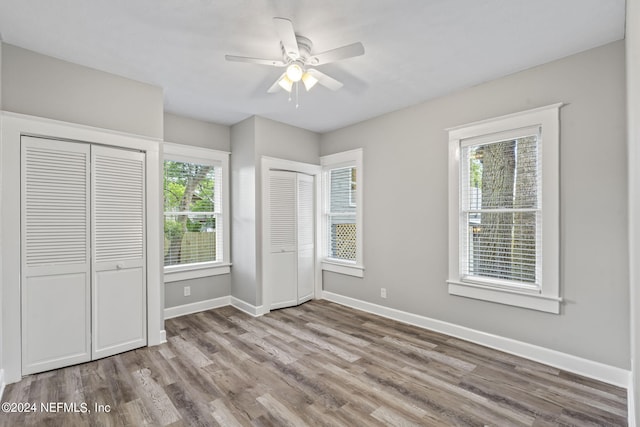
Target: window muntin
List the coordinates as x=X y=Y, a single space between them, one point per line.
x=501 y=212
x=192 y=213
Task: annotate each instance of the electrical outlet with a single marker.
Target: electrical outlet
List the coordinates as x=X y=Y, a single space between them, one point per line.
x=187 y=291
x=383 y=292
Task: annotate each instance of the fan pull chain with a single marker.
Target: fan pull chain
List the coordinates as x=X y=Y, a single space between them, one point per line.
x=297 y=105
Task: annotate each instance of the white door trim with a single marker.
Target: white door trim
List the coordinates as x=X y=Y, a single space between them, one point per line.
x=271 y=163
x=12 y=126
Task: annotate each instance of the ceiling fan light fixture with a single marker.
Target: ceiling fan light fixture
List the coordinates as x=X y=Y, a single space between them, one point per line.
x=286 y=83
x=294 y=72
x=309 y=81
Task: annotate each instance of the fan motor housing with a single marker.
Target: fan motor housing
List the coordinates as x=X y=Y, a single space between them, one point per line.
x=304 y=48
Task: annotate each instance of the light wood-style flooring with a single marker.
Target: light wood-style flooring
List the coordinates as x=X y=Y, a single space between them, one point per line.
x=319 y=364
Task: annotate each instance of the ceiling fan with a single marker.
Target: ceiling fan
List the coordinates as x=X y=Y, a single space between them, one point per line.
x=298 y=59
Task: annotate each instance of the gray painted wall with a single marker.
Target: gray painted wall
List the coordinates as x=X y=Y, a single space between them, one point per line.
x=202 y=289
x=275 y=139
x=43 y=86
x=183 y=130
x=243 y=211
x=633 y=118
x=250 y=140
x=405 y=206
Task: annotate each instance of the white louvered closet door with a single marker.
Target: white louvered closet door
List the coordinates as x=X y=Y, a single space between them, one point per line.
x=56 y=276
x=283 y=255
x=290 y=266
x=118 y=251
x=306 y=237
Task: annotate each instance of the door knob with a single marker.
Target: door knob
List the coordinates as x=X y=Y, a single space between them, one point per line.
x=119 y=266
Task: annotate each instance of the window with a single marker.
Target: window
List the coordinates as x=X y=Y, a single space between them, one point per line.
x=504 y=212
x=342 y=213
x=352 y=189
x=195 y=199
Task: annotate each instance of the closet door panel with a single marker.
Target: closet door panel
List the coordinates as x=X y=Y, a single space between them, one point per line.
x=118 y=245
x=55 y=230
x=283 y=279
x=306 y=237
x=281 y=265
x=305 y=274
x=55 y=322
x=119 y=290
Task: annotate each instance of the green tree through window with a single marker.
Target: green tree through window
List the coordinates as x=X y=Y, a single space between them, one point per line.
x=190 y=208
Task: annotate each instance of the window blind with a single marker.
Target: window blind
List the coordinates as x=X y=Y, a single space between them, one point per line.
x=192 y=213
x=341 y=215
x=501 y=211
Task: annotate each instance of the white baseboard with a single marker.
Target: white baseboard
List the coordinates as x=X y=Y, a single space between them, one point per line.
x=250 y=309
x=2 y=384
x=631 y=399
x=163 y=336
x=596 y=370
x=182 y=310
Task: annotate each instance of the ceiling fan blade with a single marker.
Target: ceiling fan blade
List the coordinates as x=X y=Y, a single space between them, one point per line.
x=276 y=86
x=284 y=28
x=344 y=52
x=261 y=61
x=325 y=80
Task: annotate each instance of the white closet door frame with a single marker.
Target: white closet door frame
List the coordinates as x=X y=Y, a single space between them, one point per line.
x=12 y=127
x=268 y=164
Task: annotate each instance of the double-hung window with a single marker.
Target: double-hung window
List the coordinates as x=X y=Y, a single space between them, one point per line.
x=196 y=233
x=342 y=213
x=504 y=210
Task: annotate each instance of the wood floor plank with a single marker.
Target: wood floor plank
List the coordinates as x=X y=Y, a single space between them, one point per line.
x=318 y=364
x=156 y=399
x=280 y=411
x=224 y=416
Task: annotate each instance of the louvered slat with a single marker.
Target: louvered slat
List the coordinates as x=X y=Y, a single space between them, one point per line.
x=305 y=212
x=55 y=203
x=118 y=198
x=282 y=190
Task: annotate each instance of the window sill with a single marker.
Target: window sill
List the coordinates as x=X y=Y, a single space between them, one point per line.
x=342 y=268
x=177 y=273
x=531 y=301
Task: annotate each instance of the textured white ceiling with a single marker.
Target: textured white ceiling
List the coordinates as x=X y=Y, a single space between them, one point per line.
x=415 y=50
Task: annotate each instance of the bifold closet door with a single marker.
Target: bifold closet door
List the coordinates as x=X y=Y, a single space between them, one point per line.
x=83 y=252
x=291 y=256
x=55 y=230
x=118 y=246
x=283 y=252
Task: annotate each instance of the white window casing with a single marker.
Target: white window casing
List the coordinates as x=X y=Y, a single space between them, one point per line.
x=342 y=227
x=504 y=247
x=219 y=212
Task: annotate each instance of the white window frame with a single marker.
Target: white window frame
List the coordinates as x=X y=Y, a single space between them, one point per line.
x=546 y=296
x=203 y=156
x=352 y=158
